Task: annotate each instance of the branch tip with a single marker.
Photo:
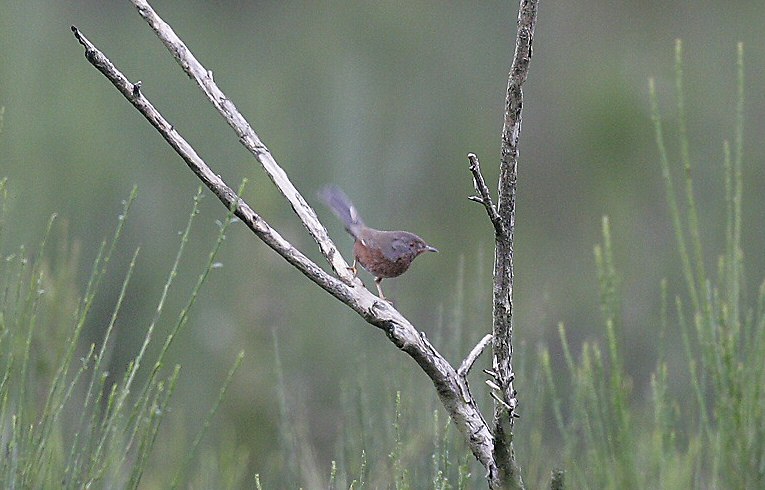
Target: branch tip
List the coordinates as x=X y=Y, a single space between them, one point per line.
x=77 y=34
x=465 y=366
x=501 y=402
x=484 y=196
x=491 y=384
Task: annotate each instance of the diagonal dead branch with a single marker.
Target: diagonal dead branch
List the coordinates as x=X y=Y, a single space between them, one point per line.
x=459 y=405
x=226 y=194
x=247 y=136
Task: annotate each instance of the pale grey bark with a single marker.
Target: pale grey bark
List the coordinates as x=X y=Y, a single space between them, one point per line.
x=451 y=385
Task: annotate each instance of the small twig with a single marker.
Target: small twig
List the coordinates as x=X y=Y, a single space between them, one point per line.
x=491 y=384
x=464 y=368
x=502 y=402
x=484 y=197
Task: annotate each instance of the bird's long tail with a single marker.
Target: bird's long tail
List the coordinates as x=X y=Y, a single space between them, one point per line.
x=343 y=208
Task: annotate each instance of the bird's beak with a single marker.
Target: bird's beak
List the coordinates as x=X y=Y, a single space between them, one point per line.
x=431 y=249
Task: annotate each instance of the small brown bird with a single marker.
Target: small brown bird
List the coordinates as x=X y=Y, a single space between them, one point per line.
x=383 y=253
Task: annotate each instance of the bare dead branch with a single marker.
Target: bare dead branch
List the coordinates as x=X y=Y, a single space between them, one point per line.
x=493 y=450
x=449 y=385
x=465 y=366
x=247 y=136
x=484 y=196
x=506 y=399
x=226 y=195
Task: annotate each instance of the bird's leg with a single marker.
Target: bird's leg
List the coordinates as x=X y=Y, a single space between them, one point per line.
x=378 y=280
x=353 y=268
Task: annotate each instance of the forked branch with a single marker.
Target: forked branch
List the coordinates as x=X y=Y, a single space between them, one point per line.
x=461 y=408
x=489 y=447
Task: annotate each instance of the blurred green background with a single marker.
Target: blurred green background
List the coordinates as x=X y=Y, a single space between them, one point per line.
x=385 y=99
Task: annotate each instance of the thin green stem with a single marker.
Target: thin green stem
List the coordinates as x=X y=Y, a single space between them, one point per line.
x=191 y=452
x=671 y=197
x=692 y=211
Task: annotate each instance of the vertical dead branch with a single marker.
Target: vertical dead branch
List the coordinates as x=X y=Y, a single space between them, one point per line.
x=505 y=411
x=502 y=218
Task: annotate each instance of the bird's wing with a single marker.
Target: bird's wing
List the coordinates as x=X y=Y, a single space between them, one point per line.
x=399 y=247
